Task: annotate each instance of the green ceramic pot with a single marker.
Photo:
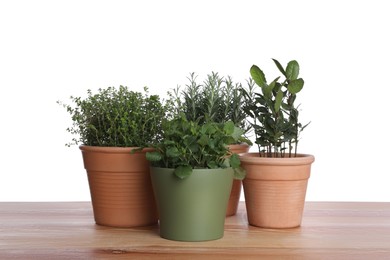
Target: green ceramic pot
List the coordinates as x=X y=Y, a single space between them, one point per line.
x=192 y=209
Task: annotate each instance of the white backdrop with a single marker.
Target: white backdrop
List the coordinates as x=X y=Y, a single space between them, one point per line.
x=50 y=50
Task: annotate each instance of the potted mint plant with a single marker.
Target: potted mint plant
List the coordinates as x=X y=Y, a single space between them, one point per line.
x=277 y=175
x=115 y=127
x=192 y=171
x=215 y=99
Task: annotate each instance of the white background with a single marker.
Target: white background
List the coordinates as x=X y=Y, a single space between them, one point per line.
x=50 y=50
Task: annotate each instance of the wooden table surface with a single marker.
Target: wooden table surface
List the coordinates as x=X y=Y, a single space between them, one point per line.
x=66 y=230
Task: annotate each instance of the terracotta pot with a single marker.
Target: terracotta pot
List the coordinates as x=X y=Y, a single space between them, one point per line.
x=235 y=194
x=120 y=186
x=275 y=189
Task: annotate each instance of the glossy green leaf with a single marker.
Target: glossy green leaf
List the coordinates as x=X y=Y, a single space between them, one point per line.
x=262 y=110
x=208 y=129
x=172 y=152
x=237 y=133
x=194 y=148
x=183 y=172
x=292 y=70
x=280 y=67
x=235 y=161
x=153 y=156
x=169 y=142
x=229 y=127
x=212 y=165
x=239 y=173
x=260 y=100
x=278 y=100
x=267 y=90
x=229 y=140
x=136 y=150
x=295 y=86
x=204 y=140
x=258 y=76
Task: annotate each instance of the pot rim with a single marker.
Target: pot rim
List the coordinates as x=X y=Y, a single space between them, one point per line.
x=240 y=144
x=112 y=149
x=254 y=158
x=199 y=170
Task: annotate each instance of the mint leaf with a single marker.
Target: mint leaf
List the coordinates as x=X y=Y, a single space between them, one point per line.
x=183 y=172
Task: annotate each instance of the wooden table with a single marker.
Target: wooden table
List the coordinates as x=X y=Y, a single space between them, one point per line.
x=66 y=230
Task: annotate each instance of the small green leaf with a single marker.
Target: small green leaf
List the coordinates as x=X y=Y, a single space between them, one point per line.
x=229 y=140
x=212 y=164
x=183 y=172
x=242 y=139
x=136 y=150
x=189 y=140
x=295 y=86
x=258 y=76
x=194 y=148
x=203 y=140
x=153 y=156
x=235 y=161
x=263 y=110
x=260 y=100
x=278 y=100
x=280 y=67
x=229 y=127
x=172 y=152
x=169 y=142
x=292 y=70
x=239 y=173
x=226 y=163
x=238 y=132
x=268 y=89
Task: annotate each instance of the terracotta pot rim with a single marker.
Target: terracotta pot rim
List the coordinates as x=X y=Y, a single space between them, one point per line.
x=240 y=144
x=112 y=149
x=253 y=158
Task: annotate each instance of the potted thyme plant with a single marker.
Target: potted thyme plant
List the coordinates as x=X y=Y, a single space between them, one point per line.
x=192 y=172
x=277 y=176
x=216 y=99
x=115 y=127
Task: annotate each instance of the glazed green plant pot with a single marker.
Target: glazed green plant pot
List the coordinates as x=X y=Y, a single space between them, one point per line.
x=194 y=208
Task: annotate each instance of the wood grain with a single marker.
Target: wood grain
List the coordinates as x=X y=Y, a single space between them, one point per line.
x=65 y=230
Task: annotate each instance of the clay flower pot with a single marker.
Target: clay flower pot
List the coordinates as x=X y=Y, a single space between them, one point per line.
x=235 y=194
x=275 y=189
x=120 y=186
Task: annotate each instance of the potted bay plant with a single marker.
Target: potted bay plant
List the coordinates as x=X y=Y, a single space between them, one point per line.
x=277 y=175
x=215 y=99
x=114 y=129
x=192 y=172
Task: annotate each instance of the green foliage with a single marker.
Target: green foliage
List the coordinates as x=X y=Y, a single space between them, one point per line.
x=273 y=111
x=217 y=99
x=116 y=117
x=188 y=145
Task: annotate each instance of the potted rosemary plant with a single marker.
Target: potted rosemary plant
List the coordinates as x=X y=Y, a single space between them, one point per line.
x=277 y=176
x=216 y=99
x=115 y=127
x=192 y=172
